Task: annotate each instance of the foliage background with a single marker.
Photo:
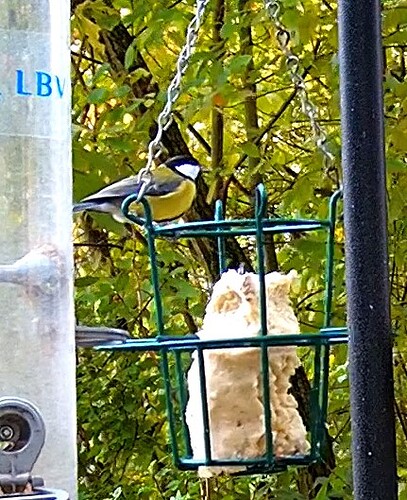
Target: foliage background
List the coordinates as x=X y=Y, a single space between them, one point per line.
x=240 y=116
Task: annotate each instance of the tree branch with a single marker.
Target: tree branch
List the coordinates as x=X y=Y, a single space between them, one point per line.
x=217 y=113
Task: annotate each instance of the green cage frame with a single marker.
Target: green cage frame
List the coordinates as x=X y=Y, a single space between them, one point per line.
x=174 y=346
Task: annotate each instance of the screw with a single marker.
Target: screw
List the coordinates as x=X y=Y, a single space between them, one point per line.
x=6 y=433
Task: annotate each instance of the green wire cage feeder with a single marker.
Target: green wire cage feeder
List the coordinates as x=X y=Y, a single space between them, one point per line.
x=174 y=349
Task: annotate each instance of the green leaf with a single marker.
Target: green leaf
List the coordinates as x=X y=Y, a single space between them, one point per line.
x=86 y=281
x=122 y=91
x=101 y=73
x=120 y=144
x=139 y=73
x=98 y=96
x=185 y=290
x=129 y=56
x=227 y=30
x=239 y=63
x=395 y=165
x=106 y=17
x=269 y=103
x=250 y=149
x=398 y=137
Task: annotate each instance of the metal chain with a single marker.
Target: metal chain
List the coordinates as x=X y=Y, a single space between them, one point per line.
x=164 y=119
x=309 y=109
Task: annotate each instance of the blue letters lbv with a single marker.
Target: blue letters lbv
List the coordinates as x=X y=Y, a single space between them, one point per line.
x=45 y=84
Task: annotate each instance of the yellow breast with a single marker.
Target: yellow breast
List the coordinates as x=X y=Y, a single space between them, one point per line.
x=171 y=206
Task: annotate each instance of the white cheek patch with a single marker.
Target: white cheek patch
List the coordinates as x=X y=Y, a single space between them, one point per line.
x=189 y=170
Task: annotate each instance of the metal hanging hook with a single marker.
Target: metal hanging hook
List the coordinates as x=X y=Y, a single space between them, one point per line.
x=22 y=436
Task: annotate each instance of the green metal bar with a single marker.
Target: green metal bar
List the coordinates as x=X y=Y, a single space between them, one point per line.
x=149 y=225
x=334 y=336
x=183 y=398
x=330 y=248
x=221 y=241
x=315 y=409
x=205 y=412
x=260 y=208
x=158 y=315
x=126 y=210
x=226 y=233
x=154 y=268
x=169 y=405
x=329 y=285
x=193 y=463
x=231 y=223
x=210 y=228
x=160 y=325
x=323 y=394
x=319 y=395
x=213 y=230
x=259 y=212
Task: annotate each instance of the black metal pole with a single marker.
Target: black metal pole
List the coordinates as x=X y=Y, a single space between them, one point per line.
x=367 y=279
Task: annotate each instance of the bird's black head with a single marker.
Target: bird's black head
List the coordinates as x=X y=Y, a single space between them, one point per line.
x=184 y=165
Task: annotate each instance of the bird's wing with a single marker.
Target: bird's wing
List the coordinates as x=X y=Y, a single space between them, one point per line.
x=120 y=189
x=165 y=181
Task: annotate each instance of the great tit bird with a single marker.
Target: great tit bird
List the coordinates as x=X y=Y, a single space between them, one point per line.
x=170 y=193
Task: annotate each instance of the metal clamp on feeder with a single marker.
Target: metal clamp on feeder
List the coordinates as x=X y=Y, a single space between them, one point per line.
x=22 y=436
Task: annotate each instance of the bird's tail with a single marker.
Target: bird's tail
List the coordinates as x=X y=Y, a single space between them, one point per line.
x=86 y=205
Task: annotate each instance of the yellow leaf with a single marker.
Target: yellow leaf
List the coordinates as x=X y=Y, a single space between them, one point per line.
x=398 y=138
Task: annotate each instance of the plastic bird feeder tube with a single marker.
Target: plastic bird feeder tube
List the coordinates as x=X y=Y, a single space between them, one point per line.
x=367 y=279
x=176 y=350
x=37 y=344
